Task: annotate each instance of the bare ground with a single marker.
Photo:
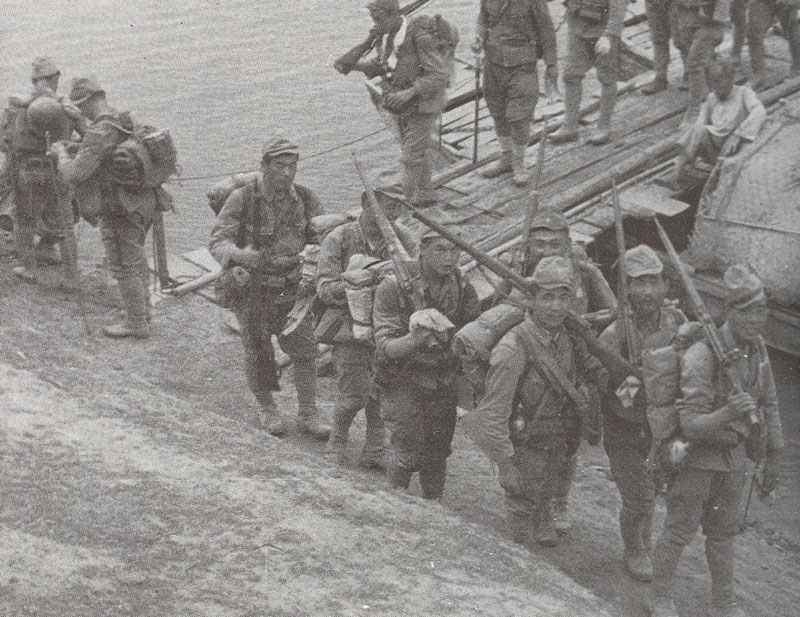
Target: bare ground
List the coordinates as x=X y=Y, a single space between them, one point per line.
x=134 y=482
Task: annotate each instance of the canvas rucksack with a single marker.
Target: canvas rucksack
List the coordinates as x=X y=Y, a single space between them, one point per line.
x=145 y=159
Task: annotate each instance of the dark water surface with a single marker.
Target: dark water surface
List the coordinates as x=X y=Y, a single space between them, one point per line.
x=223 y=77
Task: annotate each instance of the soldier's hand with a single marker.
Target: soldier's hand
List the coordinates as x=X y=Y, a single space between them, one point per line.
x=510 y=478
x=731 y=146
x=742 y=404
x=603 y=45
x=247 y=256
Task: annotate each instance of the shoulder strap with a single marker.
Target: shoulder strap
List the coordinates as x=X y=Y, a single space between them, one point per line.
x=241 y=233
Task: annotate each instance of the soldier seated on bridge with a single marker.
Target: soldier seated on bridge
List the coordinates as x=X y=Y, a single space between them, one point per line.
x=729 y=120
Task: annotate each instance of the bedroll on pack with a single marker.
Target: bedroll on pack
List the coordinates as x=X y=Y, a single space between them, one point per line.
x=146 y=159
x=220 y=192
x=473 y=343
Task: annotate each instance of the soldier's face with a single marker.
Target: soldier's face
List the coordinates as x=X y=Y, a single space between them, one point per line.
x=382 y=18
x=550 y=306
x=647 y=293
x=280 y=171
x=440 y=257
x=749 y=322
x=547 y=243
x=721 y=82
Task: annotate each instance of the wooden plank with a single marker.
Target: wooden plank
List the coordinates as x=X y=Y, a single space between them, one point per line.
x=653 y=197
x=203 y=259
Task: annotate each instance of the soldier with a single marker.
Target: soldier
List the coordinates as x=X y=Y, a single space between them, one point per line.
x=659 y=16
x=526 y=422
x=42 y=200
x=762 y=14
x=626 y=435
x=514 y=34
x=279 y=213
x=698 y=28
x=595 y=27
x=415 y=60
x=713 y=420
x=549 y=237
x=354 y=358
x=415 y=368
x=125 y=215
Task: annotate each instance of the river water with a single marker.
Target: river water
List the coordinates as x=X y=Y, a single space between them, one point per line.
x=223 y=77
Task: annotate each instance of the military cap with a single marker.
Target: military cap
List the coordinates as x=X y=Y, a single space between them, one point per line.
x=742 y=287
x=642 y=260
x=391 y=6
x=44 y=67
x=83 y=88
x=550 y=219
x=553 y=272
x=278 y=146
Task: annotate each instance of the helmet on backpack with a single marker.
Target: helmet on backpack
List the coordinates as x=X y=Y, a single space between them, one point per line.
x=45 y=115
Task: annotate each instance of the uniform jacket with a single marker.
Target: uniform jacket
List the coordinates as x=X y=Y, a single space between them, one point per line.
x=511 y=377
x=90 y=172
x=669 y=321
x=611 y=23
x=704 y=389
x=285 y=221
x=455 y=298
x=707 y=10
x=512 y=32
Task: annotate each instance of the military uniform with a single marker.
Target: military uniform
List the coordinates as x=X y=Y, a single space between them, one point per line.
x=588 y=21
x=659 y=17
x=280 y=221
x=418 y=398
x=125 y=215
x=523 y=420
x=705 y=491
x=353 y=358
x=626 y=435
x=761 y=16
x=514 y=34
x=698 y=27
x=43 y=201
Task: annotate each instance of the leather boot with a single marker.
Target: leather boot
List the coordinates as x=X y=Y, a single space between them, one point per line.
x=337 y=442
x=665 y=562
x=521 y=175
x=399 y=477
x=661 y=62
x=70 y=275
x=372 y=453
x=268 y=417
x=305 y=382
x=719 y=556
x=572 y=106
x=546 y=534
x=25 y=253
x=135 y=324
x=636 y=558
x=431 y=479
x=608 y=100
x=503 y=165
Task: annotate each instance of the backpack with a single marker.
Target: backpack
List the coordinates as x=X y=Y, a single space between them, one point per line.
x=145 y=159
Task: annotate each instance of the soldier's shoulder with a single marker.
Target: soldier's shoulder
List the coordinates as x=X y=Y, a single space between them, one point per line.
x=698 y=354
x=508 y=348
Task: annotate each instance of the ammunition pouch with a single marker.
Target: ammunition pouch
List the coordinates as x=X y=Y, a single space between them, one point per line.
x=593 y=11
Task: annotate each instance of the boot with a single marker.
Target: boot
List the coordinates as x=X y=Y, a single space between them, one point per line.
x=572 y=107
x=519 y=527
x=546 y=534
x=431 y=479
x=372 y=453
x=665 y=562
x=268 y=417
x=608 y=100
x=636 y=558
x=70 y=275
x=719 y=556
x=25 y=253
x=503 y=165
x=47 y=254
x=399 y=477
x=305 y=382
x=337 y=442
x=659 y=84
x=135 y=324
x=521 y=175
x=661 y=62
x=559 y=511
x=145 y=275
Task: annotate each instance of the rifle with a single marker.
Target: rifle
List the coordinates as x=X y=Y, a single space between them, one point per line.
x=625 y=315
x=406 y=269
x=615 y=363
x=533 y=206
x=347 y=61
x=725 y=357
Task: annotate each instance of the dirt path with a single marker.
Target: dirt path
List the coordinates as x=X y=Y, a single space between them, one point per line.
x=135 y=483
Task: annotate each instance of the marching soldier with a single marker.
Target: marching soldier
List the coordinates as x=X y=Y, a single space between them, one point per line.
x=595 y=27
x=714 y=421
x=354 y=358
x=279 y=212
x=537 y=387
x=659 y=17
x=514 y=35
x=415 y=367
x=42 y=200
x=761 y=16
x=626 y=435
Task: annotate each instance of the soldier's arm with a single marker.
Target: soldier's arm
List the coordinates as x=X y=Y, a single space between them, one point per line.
x=751 y=125
x=546 y=35
x=435 y=71
x=330 y=286
x=616 y=18
x=393 y=341
x=699 y=421
x=223 y=236
x=488 y=424
x=97 y=144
